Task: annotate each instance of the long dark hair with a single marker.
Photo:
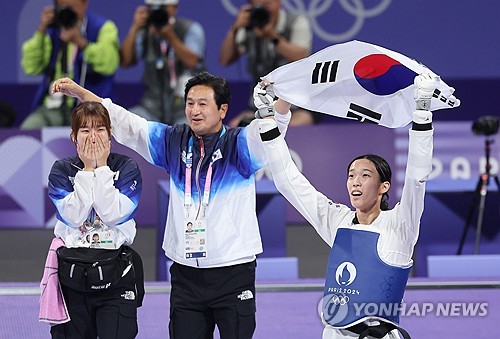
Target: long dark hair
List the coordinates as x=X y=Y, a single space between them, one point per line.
x=384 y=173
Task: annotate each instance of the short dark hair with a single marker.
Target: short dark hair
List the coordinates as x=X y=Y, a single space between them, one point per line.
x=384 y=173
x=89 y=112
x=220 y=86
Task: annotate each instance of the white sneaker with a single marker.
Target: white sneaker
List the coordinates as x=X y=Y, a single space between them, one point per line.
x=425 y=86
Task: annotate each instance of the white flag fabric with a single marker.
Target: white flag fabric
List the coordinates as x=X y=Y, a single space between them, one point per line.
x=360 y=81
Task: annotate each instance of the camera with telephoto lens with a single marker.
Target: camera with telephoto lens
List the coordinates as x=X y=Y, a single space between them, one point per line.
x=259 y=17
x=64 y=17
x=487 y=125
x=158 y=17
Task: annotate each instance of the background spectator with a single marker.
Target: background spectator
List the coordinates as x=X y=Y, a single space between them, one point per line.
x=69 y=42
x=173 y=51
x=270 y=37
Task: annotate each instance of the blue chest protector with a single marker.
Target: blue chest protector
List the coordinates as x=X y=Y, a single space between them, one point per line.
x=359 y=285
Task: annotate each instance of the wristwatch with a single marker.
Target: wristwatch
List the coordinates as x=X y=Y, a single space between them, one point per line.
x=276 y=40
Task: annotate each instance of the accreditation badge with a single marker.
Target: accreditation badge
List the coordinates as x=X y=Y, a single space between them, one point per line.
x=101 y=239
x=95 y=234
x=195 y=239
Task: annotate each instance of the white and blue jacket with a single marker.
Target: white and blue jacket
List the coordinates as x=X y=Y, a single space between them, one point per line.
x=232 y=230
x=112 y=192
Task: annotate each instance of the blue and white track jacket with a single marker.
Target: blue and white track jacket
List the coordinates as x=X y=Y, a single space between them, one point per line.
x=232 y=231
x=112 y=192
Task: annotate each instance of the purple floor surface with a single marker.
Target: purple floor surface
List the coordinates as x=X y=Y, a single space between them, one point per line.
x=290 y=314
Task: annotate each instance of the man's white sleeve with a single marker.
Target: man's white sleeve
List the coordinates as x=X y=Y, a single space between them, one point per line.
x=129 y=129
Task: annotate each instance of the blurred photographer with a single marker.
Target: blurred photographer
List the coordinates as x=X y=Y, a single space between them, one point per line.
x=270 y=37
x=69 y=42
x=173 y=50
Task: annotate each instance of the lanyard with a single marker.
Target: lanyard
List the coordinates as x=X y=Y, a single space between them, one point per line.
x=166 y=52
x=189 y=171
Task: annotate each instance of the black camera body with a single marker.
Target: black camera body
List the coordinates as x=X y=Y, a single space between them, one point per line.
x=158 y=17
x=65 y=17
x=259 y=17
x=486 y=125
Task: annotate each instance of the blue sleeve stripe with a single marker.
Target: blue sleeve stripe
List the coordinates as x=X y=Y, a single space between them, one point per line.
x=56 y=193
x=246 y=163
x=158 y=133
x=130 y=185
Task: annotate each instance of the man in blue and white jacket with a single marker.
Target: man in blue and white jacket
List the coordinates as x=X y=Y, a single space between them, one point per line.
x=212 y=186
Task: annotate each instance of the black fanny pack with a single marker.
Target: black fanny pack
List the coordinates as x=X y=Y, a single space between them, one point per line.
x=90 y=269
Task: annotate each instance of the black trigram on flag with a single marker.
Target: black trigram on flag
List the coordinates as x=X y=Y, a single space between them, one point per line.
x=363 y=114
x=325 y=72
x=437 y=94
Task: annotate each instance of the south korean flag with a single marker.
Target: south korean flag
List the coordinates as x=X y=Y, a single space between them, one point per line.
x=360 y=81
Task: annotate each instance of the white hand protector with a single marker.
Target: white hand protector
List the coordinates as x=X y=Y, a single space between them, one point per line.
x=426 y=84
x=263 y=99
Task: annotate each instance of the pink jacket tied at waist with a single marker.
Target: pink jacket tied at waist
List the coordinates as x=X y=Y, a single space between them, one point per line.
x=53 y=308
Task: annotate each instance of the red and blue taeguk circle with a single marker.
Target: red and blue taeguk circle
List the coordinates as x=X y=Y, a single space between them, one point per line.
x=382 y=75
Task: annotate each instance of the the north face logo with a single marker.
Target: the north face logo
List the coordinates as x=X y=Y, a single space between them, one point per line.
x=245 y=295
x=129 y=295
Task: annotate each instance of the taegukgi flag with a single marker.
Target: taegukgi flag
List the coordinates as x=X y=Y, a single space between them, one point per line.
x=357 y=80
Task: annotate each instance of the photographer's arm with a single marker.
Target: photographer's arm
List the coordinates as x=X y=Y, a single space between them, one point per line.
x=104 y=54
x=189 y=52
x=229 y=51
x=46 y=19
x=36 y=53
x=290 y=51
x=299 y=44
x=127 y=50
x=37 y=50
